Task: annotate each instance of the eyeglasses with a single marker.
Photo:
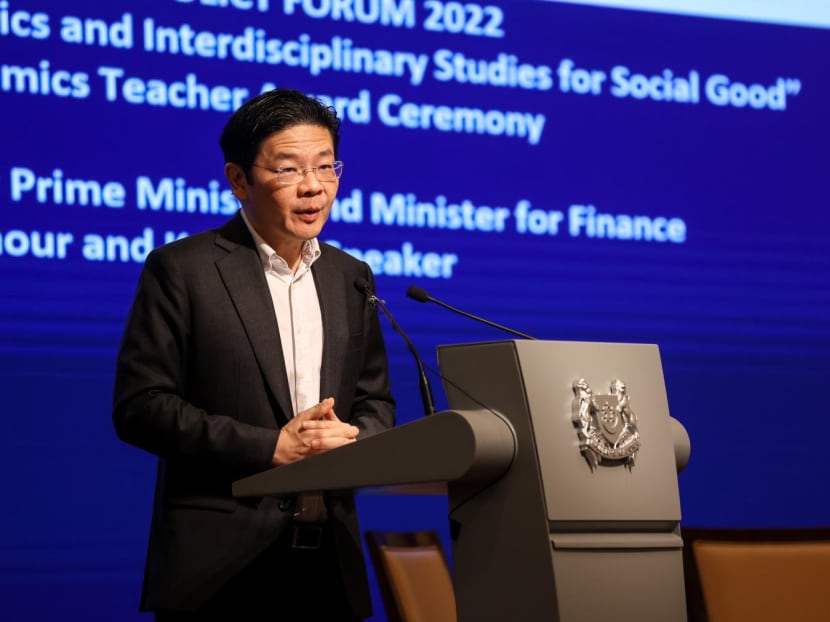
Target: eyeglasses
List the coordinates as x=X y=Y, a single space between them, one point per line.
x=291 y=176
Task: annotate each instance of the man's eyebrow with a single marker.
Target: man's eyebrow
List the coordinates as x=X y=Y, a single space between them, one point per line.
x=291 y=155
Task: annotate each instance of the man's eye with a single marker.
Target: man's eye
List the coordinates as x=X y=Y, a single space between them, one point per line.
x=287 y=171
x=325 y=167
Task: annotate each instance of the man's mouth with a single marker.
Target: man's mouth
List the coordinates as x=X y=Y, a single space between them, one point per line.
x=309 y=214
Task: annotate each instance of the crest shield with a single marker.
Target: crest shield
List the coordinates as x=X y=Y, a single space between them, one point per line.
x=606 y=425
x=608 y=417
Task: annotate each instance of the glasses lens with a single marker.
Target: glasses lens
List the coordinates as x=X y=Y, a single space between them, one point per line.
x=289 y=176
x=329 y=172
x=324 y=172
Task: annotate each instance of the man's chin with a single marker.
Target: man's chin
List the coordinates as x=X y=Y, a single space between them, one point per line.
x=307 y=232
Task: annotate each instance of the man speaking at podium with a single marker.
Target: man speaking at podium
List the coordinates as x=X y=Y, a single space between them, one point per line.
x=248 y=347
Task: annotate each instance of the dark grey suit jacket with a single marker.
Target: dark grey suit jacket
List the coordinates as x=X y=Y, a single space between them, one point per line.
x=201 y=383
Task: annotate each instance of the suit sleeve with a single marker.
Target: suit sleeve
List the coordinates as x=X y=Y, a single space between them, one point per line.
x=153 y=367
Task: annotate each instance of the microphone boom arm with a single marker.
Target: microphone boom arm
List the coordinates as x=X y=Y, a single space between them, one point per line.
x=426 y=391
x=416 y=293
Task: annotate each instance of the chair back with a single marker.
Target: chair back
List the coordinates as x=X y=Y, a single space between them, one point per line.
x=413 y=576
x=762 y=575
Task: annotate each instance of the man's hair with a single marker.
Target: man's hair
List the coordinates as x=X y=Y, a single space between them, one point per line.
x=270 y=112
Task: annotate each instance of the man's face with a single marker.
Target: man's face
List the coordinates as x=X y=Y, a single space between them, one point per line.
x=287 y=216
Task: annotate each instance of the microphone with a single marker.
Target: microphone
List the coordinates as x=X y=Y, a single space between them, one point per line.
x=362 y=285
x=416 y=293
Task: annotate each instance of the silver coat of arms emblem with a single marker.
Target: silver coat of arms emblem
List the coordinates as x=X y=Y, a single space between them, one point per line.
x=606 y=425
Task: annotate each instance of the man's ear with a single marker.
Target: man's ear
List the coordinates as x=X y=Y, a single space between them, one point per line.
x=237 y=179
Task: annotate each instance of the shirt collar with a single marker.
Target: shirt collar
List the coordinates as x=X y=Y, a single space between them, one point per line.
x=268 y=256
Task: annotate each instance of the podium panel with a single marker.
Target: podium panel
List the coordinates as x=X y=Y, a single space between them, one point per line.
x=601 y=536
x=619 y=493
x=629 y=595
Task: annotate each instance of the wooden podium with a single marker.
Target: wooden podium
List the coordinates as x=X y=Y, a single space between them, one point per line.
x=554 y=517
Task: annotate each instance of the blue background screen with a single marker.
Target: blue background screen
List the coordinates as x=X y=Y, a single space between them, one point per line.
x=574 y=172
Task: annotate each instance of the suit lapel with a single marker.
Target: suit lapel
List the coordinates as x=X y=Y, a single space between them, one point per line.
x=331 y=293
x=242 y=274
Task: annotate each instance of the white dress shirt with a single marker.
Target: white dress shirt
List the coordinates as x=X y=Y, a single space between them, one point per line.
x=299 y=319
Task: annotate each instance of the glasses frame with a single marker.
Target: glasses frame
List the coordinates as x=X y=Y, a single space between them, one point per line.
x=337 y=166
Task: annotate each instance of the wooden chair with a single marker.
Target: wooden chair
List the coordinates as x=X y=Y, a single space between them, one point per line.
x=413 y=576
x=757 y=575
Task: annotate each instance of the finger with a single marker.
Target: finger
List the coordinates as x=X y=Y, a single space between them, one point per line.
x=332 y=442
x=317 y=411
x=330 y=415
x=330 y=428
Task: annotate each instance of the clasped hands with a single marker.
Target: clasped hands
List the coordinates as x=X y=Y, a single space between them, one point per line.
x=313 y=431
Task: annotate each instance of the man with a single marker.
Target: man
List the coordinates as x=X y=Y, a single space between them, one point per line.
x=249 y=347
